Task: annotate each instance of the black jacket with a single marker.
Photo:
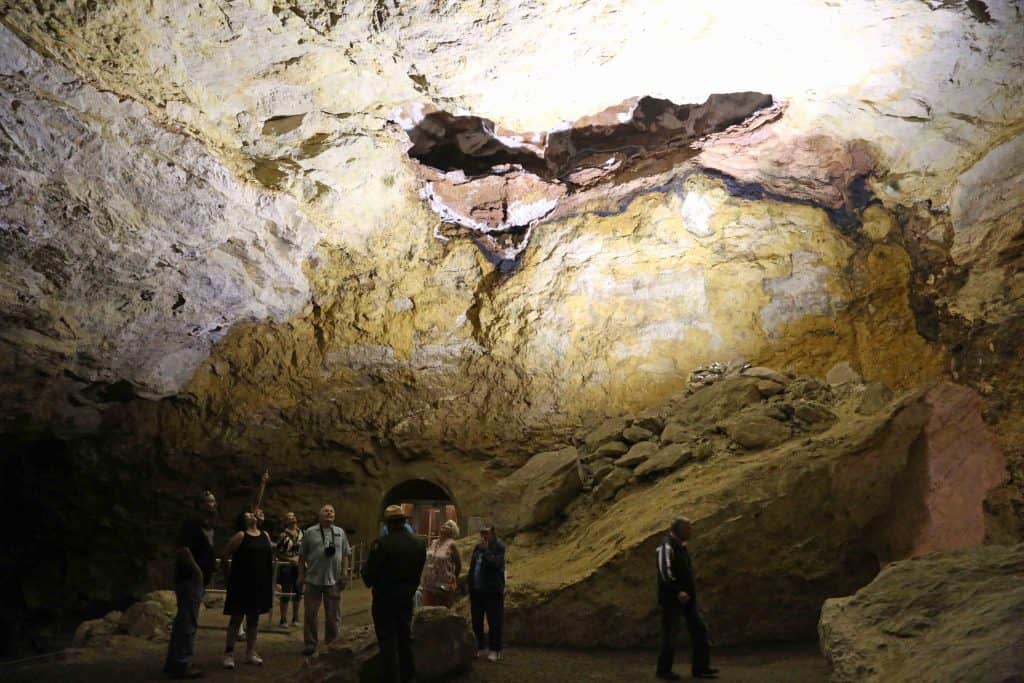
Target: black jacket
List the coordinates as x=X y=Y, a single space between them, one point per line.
x=395 y=563
x=675 y=572
x=492 y=568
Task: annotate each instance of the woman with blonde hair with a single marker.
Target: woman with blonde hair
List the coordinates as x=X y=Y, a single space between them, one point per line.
x=441 y=571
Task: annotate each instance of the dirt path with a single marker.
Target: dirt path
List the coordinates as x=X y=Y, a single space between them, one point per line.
x=131 y=659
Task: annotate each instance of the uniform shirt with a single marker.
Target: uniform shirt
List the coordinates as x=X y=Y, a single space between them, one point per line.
x=395 y=564
x=320 y=569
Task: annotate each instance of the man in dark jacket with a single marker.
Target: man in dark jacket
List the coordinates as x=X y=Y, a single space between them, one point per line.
x=677 y=595
x=487 y=593
x=194 y=564
x=392 y=571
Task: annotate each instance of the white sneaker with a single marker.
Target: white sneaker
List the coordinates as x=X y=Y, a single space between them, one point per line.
x=481 y=653
x=229 y=662
x=253 y=658
x=494 y=656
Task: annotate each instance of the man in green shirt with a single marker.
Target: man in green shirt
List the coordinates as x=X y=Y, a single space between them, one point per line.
x=323 y=571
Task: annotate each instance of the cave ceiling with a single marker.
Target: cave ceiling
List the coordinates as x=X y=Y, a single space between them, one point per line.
x=475 y=223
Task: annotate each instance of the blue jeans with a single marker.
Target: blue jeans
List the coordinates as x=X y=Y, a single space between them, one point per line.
x=186 y=623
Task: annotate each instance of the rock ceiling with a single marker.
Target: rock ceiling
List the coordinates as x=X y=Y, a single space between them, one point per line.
x=474 y=223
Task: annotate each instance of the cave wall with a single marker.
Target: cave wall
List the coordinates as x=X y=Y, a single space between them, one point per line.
x=217 y=255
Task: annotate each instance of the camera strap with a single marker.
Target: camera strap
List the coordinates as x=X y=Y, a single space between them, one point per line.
x=323 y=541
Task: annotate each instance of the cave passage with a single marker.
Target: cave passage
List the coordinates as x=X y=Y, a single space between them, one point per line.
x=427 y=505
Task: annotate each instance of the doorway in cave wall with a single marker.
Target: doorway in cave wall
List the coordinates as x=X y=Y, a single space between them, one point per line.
x=427 y=504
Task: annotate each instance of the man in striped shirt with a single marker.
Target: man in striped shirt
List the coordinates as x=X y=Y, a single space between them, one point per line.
x=677 y=595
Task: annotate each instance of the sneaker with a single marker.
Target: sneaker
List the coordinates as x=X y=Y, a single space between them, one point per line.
x=229 y=662
x=494 y=656
x=482 y=653
x=309 y=650
x=188 y=674
x=295 y=623
x=283 y=624
x=254 y=659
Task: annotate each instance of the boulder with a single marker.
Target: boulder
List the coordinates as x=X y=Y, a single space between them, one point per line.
x=767 y=374
x=769 y=388
x=809 y=389
x=875 y=397
x=611 y=484
x=538 y=490
x=862 y=482
x=600 y=468
x=443 y=646
x=649 y=421
x=668 y=458
x=813 y=413
x=842 y=373
x=950 y=616
x=444 y=643
x=637 y=454
x=709 y=405
x=635 y=433
x=94 y=631
x=166 y=598
x=350 y=659
x=146 y=620
x=611 y=449
x=675 y=432
x=753 y=431
x=609 y=430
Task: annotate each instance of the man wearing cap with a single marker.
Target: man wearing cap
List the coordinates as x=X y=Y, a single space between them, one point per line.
x=677 y=595
x=323 y=570
x=392 y=571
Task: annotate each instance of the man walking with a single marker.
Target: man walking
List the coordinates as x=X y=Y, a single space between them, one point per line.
x=323 y=570
x=194 y=565
x=392 y=572
x=677 y=595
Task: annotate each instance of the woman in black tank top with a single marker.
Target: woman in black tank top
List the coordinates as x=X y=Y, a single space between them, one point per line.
x=250 y=585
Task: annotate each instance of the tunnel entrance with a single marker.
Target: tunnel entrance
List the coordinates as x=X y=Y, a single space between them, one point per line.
x=428 y=505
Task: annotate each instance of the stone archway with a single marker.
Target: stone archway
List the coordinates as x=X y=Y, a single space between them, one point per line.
x=427 y=503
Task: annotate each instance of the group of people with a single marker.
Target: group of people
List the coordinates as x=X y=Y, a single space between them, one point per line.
x=399 y=568
x=314 y=569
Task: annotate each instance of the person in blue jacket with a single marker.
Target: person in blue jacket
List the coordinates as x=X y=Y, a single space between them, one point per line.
x=487 y=593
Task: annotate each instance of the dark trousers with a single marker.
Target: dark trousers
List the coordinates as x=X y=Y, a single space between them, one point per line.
x=182 y=646
x=392 y=621
x=492 y=606
x=671 y=618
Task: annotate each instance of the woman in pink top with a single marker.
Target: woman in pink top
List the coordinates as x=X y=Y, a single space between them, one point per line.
x=441 y=571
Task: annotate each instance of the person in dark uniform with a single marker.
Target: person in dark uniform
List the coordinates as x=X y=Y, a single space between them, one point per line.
x=677 y=595
x=250 y=585
x=195 y=562
x=392 y=571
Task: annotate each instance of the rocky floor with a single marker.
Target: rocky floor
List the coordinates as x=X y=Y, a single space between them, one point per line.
x=133 y=659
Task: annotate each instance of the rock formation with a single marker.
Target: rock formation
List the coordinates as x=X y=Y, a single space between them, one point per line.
x=443 y=646
x=780 y=524
x=940 y=617
x=366 y=242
